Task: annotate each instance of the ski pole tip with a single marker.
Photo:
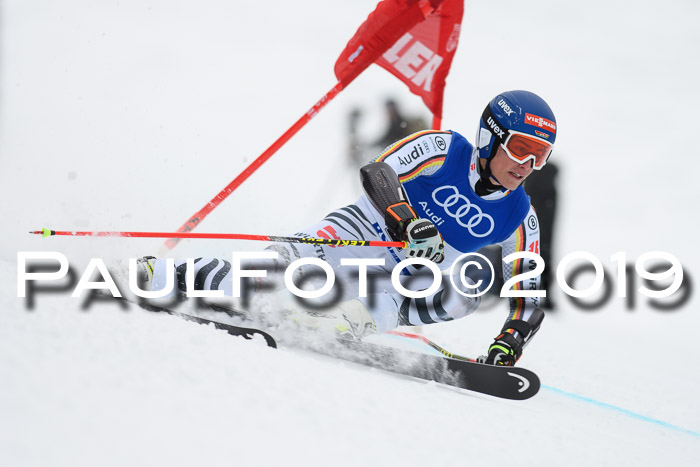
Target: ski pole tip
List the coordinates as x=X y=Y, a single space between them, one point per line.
x=43 y=232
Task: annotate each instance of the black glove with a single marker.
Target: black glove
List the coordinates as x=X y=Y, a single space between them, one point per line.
x=505 y=350
x=508 y=346
x=422 y=237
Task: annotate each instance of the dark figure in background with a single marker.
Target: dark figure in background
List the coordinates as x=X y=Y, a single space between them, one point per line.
x=542 y=188
x=398 y=127
x=355 y=147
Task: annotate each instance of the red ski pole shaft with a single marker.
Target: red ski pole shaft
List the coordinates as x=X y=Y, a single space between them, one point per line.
x=432 y=344
x=197 y=217
x=220 y=236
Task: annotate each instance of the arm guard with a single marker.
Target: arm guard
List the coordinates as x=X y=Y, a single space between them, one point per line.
x=381 y=185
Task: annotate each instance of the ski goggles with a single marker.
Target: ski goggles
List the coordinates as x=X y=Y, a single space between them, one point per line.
x=522 y=147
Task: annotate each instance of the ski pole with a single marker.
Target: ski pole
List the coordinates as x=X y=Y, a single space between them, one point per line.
x=432 y=344
x=383 y=28
x=221 y=236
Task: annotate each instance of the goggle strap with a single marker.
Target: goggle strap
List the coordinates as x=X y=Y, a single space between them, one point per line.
x=485 y=117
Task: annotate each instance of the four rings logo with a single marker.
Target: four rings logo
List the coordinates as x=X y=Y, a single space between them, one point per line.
x=462 y=207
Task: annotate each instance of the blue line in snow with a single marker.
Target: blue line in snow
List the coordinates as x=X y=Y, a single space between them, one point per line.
x=578 y=397
x=629 y=413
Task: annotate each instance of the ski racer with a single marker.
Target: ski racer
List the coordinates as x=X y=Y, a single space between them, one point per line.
x=444 y=197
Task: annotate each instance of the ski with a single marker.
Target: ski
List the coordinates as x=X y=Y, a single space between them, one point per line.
x=513 y=383
x=501 y=381
x=245 y=332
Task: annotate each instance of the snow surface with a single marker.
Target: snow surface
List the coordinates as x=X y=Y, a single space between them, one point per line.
x=130 y=115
